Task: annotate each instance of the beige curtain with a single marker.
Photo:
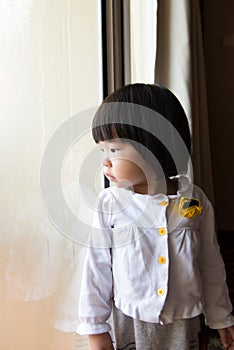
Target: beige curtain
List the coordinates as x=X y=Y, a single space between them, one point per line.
x=180 y=67
x=117 y=69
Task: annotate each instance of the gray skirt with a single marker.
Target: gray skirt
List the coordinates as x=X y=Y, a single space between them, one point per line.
x=131 y=334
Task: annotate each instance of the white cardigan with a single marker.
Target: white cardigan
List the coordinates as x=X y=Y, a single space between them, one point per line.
x=159 y=266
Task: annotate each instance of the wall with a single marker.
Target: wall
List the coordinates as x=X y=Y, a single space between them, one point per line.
x=219 y=27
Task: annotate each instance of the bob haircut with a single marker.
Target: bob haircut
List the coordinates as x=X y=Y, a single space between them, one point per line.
x=152 y=119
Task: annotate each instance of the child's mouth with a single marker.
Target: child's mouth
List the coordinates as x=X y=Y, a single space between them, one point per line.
x=110 y=177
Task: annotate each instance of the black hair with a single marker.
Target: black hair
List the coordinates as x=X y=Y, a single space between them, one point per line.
x=129 y=115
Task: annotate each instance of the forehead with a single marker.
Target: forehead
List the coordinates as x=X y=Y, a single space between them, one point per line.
x=110 y=141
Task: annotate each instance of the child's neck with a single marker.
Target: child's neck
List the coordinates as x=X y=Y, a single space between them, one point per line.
x=169 y=187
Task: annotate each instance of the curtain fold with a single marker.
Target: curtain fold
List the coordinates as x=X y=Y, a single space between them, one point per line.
x=201 y=138
x=117 y=71
x=180 y=67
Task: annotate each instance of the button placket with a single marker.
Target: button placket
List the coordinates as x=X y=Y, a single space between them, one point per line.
x=162 y=258
x=163 y=229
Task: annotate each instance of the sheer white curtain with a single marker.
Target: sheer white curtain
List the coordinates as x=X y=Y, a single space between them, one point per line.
x=143 y=21
x=180 y=67
x=50 y=66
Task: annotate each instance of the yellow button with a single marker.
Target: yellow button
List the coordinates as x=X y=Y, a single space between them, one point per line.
x=162 y=260
x=160 y=292
x=162 y=231
x=163 y=203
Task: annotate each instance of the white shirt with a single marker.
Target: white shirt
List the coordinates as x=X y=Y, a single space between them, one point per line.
x=161 y=266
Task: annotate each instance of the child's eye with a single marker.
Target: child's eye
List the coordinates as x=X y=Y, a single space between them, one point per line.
x=114 y=150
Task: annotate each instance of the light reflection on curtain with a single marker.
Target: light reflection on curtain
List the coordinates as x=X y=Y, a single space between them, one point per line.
x=143 y=40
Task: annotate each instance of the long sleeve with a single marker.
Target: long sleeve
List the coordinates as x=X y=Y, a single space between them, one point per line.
x=96 y=285
x=96 y=292
x=217 y=303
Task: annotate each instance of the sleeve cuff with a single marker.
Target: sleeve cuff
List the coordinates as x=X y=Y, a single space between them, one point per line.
x=93 y=328
x=225 y=323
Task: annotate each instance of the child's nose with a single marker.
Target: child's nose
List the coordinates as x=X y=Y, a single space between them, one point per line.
x=107 y=163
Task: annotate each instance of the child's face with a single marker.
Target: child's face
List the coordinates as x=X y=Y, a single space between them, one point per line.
x=123 y=165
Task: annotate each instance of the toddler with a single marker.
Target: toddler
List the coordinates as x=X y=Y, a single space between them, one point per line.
x=161 y=266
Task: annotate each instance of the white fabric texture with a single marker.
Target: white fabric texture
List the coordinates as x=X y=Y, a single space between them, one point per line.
x=161 y=266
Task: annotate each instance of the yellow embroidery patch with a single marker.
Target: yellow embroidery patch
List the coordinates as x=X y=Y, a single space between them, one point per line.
x=190 y=207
